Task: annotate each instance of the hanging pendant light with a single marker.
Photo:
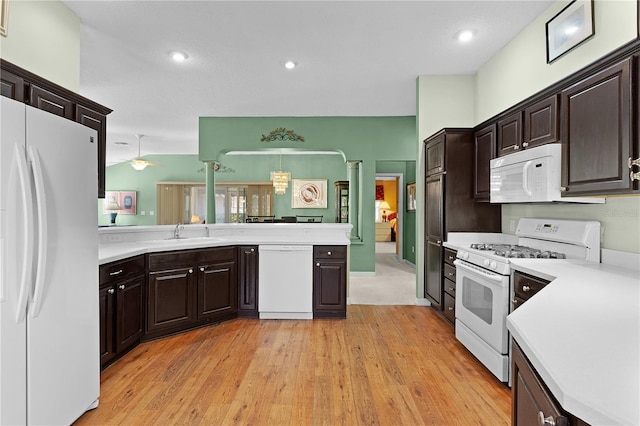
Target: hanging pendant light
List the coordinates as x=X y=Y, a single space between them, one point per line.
x=280 y=179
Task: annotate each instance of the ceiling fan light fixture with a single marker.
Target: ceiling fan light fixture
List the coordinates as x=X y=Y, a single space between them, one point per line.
x=139 y=164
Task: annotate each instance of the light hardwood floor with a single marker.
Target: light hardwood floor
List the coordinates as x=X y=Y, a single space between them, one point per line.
x=383 y=365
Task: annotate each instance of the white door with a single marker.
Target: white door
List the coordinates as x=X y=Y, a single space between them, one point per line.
x=13 y=369
x=63 y=330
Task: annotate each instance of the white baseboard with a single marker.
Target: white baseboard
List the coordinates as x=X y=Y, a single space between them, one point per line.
x=422 y=302
x=362 y=274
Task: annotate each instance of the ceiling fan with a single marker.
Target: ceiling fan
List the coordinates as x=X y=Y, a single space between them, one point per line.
x=140 y=163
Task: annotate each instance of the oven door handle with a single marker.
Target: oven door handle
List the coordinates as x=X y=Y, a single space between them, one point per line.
x=478 y=271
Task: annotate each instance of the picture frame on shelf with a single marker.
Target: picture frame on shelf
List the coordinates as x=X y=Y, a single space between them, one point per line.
x=411 y=197
x=571 y=27
x=309 y=194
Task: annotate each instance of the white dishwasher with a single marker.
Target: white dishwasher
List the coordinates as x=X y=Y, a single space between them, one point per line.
x=285 y=282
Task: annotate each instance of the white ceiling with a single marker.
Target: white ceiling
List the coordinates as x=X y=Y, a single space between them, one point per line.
x=356 y=58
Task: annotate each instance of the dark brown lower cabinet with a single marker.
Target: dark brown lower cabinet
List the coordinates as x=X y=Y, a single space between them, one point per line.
x=433 y=272
x=532 y=403
x=248 y=281
x=330 y=282
x=190 y=288
x=121 y=296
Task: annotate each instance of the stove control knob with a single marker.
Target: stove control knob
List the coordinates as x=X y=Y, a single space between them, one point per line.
x=463 y=255
x=493 y=265
x=486 y=262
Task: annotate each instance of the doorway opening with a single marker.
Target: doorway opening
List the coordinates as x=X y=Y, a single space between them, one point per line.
x=388 y=213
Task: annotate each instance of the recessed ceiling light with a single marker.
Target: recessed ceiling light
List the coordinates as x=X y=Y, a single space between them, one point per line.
x=290 y=65
x=465 y=35
x=178 y=56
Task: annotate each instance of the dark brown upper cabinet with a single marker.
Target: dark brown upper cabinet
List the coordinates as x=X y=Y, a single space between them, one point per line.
x=597 y=133
x=435 y=155
x=485 y=149
x=536 y=125
x=510 y=134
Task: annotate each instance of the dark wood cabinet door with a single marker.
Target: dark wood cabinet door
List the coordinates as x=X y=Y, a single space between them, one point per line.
x=248 y=281
x=510 y=134
x=433 y=273
x=11 y=86
x=485 y=148
x=129 y=312
x=542 y=123
x=171 y=299
x=530 y=397
x=330 y=288
x=597 y=133
x=107 y=300
x=97 y=122
x=50 y=102
x=434 y=207
x=217 y=290
x=435 y=154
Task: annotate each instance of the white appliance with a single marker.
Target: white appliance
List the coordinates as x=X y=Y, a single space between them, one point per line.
x=531 y=176
x=483 y=279
x=285 y=289
x=49 y=342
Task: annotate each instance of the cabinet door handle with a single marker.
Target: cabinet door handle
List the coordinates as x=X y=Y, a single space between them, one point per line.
x=451 y=257
x=201 y=269
x=516 y=147
x=191 y=271
x=328 y=253
x=635 y=162
x=450 y=274
x=317 y=263
x=121 y=286
x=564 y=189
x=525 y=144
x=634 y=176
x=526 y=288
x=438 y=241
x=111 y=291
x=115 y=273
x=252 y=250
x=542 y=420
x=450 y=308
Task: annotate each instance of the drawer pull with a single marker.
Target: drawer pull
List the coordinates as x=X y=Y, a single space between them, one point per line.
x=201 y=269
x=318 y=264
x=111 y=291
x=542 y=420
x=525 y=144
x=632 y=163
x=191 y=271
x=451 y=308
x=328 y=253
x=450 y=274
x=451 y=257
x=121 y=286
x=526 y=288
x=438 y=241
x=451 y=289
x=634 y=176
x=115 y=273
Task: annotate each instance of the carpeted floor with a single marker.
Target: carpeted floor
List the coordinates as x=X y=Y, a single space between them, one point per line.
x=393 y=284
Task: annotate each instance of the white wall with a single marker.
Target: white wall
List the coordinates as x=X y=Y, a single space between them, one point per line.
x=44 y=37
x=520 y=69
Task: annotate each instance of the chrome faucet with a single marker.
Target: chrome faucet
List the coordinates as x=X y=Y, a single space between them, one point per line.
x=177 y=231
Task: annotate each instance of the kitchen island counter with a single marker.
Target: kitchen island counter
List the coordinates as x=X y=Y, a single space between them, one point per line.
x=118 y=243
x=582 y=335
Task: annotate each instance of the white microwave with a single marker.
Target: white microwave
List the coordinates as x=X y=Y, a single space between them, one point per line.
x=530 y=176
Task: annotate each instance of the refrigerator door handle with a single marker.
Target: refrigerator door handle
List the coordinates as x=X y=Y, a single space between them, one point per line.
x=41 y=201
x=23 y=178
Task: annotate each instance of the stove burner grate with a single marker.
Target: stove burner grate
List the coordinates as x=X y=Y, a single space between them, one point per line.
x=517 y=251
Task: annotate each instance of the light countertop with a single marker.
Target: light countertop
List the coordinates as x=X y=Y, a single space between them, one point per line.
x=582 y=335
x=118 y=243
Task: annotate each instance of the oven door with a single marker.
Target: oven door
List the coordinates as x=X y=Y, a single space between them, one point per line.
x=482 y=303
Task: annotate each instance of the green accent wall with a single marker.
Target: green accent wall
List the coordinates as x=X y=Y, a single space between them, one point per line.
x=366 y=139
x=123 y=177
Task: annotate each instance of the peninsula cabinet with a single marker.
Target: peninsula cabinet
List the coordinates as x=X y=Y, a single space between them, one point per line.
x=189 y=288
x=450 y=204
x=598 y=144
x=536 y=125
x=532 y=403
x=330 y=281
x=248 y=281
x=484 y=152
x=121 y=295
x=23 y=86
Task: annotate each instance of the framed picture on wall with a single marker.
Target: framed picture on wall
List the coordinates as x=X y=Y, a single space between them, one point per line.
x=128 y=202
x=572 y=26
x=411 y=197
x=309 y=194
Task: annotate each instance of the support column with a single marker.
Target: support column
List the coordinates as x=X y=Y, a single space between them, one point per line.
x=354 y=199
x=211 y=191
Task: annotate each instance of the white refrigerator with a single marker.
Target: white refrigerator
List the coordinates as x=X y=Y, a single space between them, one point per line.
x=49 y=325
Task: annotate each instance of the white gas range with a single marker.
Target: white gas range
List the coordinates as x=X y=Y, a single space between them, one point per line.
x=483 y=278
